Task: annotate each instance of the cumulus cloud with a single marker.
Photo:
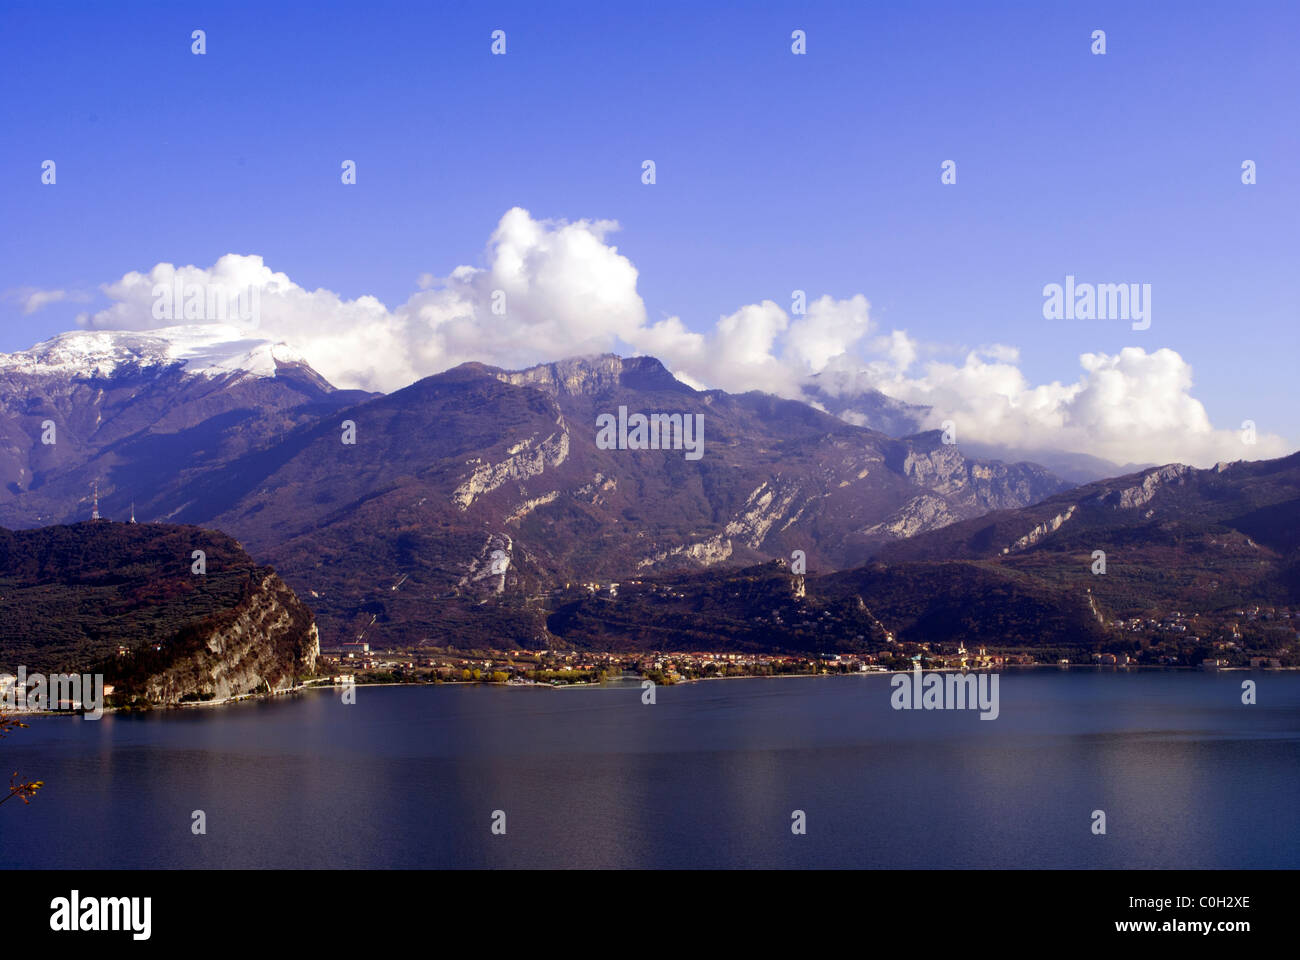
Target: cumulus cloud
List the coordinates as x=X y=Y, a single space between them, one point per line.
x=760 y=346
x=548 y=289
x=1129 y=407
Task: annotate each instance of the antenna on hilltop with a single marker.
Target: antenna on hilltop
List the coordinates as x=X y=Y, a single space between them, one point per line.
x=94 y=510
x=133 y=511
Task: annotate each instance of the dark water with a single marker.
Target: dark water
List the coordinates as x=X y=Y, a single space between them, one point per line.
x=708 y=776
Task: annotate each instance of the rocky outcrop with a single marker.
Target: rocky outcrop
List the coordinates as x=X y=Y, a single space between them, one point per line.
x=528 y=506
x=703 y=552
x=523 y=460
x=941 y=468
x=166 y=612
x=971 y=486
x=266 y=643
x=922 y=513
x=593 y=376
x=769 y=503
x=1153 y=481
x=491 y=565
x=1040 y=531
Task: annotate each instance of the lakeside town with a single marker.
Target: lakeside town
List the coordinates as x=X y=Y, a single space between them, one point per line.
x=1252 y=636
x=1168 y=642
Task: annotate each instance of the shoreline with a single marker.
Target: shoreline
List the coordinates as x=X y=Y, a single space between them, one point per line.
x=267 y=695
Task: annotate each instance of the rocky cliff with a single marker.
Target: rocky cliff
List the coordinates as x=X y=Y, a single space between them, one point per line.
x=265 y=643
x=168 y=613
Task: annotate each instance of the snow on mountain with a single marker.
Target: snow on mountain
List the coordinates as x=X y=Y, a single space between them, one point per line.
x=208 y=349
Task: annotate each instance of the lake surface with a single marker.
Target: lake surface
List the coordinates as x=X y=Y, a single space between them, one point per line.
x=706 y=777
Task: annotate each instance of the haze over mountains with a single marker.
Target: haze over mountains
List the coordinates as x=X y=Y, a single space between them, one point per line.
x=471 y=500
x=872 y=408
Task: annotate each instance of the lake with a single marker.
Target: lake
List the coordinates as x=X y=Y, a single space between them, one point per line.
x=708 y=776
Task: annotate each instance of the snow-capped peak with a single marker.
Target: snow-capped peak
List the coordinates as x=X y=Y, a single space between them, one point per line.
x=209 y=349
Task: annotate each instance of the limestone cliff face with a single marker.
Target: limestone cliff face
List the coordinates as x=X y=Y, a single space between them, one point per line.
x=921 y=513
x=595 y=375
x=970 y=486
x=1041 y=530
x=129 y=600
x=525 y=459
x=576 y=376
x=264 y=643
x=1140 y=494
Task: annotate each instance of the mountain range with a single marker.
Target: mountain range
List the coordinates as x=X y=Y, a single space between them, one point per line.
x=467 y=508
x=1198 y=563
x=473 y=483
x=1172 y=537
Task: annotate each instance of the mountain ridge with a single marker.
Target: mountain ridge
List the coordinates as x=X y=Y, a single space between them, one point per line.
x=465 y=502
x=477 y=463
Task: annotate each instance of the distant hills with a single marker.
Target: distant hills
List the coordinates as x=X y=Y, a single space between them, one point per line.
x=1173 y=536
x=1172 y=564
x=877 y=608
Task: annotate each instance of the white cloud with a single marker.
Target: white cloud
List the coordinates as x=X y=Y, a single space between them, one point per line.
x=1129 y=407
x=552 y=288
x=562 y=287
x=33 y=299
x=759 y=347
x=827 y=331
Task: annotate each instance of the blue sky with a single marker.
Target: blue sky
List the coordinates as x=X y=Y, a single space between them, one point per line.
x=774 y=172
